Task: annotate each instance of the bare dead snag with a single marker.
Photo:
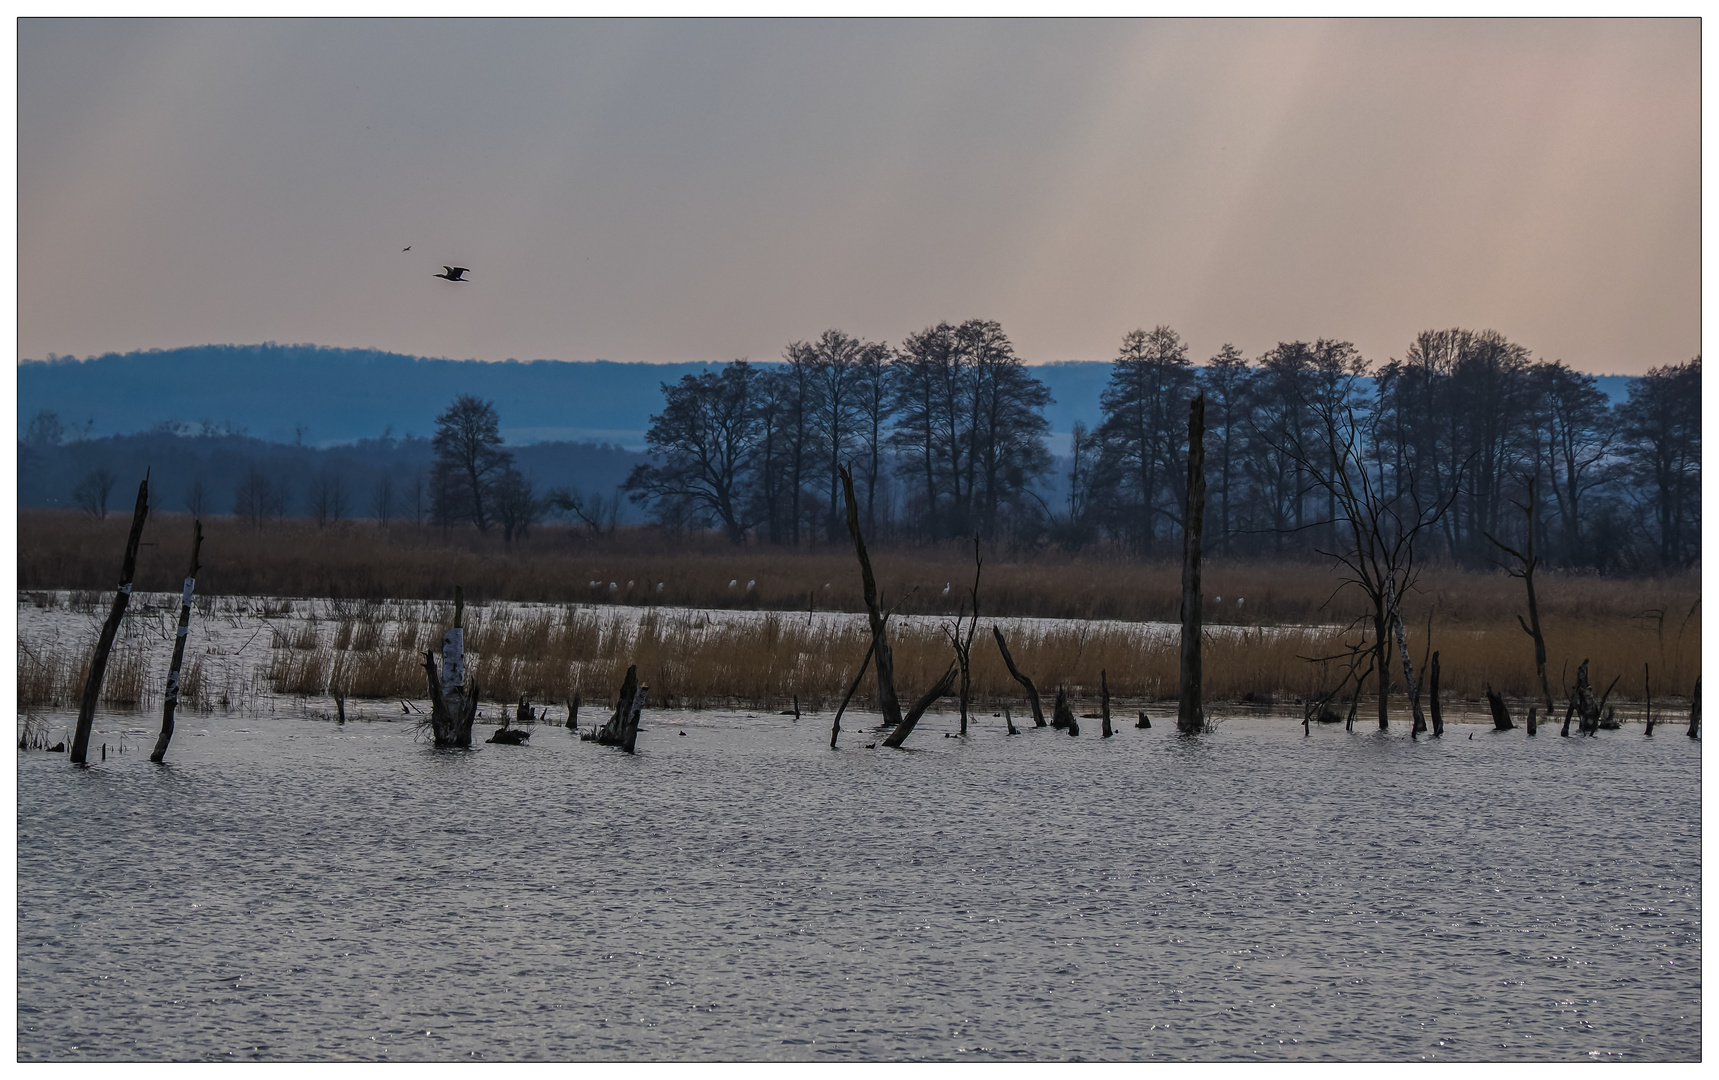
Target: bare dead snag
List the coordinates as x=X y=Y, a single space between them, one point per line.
x=450 y=720
x=1190 y=708
x=1695 y=711
x=1569 y=711
x=171 y=704
x=836 y=728
x=1015 y=674
x=1528 y=561
x=963 y=644
x=573 y=712
x=1533 y=719
x=339 y=709
x=1061 y=715
x=905 y=728
x=1409 y=681
x=1587 y=709
x=1104 y=700
x=1432 y=696
x=887 y=703
x=1606 y=715
x=1009 y=721
x=1500 y=714
x=1647 y=690
x=622 y=730
x=116 y=614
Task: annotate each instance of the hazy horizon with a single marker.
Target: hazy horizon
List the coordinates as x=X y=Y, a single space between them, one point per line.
x=694 y=191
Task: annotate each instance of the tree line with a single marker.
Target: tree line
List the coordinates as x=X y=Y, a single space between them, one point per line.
x=946 y=437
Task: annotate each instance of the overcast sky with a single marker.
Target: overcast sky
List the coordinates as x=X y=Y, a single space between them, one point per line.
x=711 y=190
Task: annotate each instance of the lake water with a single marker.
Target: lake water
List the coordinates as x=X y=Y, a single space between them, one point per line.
x=286 y=889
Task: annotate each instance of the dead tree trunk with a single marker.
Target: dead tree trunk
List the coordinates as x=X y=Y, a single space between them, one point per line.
x=1061 y=715
x=1144 y=721
x=1104 y=701
x=622 y=730
x=1533 y=719
x=905 y=728
x=1529 y=561
x=1569 y=711
x=1500 y=714
x=1695 y=711
x=1432 y=699
x=116 y=614
x=887 y=704
x=1647 y=690
x=1414 y=689
x=1015 y=673
x=450 y=717
x=963 y=643
x=573 y=712
x=836 y=728
x=1587 y=709
x=1190 y=710
x=1009 y=721
x=172 y=696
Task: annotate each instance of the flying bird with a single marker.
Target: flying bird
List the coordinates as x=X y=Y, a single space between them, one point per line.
x=408 y=247
x=454 y=273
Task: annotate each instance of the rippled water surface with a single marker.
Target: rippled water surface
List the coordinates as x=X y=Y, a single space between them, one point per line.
x=288 y=889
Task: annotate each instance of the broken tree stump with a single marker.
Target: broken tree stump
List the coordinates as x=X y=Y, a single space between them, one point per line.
x=1061 y=715
x=1144 y=721
x=573 y=712
x=1015 y=674
x=1104 y=700
x=622 y=730
x=451 y=716
x=1587 y=709
x=1432 y=699
x=1500 y=714
x=1647 y=690
x=171 y=704
x=104 y=644
x=905 y=728
x=1569 y=711
x=1695 y=711
x=1009 y=721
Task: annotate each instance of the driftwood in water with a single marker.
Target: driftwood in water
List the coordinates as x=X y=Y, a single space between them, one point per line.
x=171 y=704
x=622 y=730
x=905 y=728
x=508 y=735
x=1609 y=719
x=1500 y=714
x=1432 y=699
x=1190 y=707
x=104 y=644
x=836 y=727
x=1015 y=674
x=882 y=658
x=1104 y=700
x=1695 y=711
x=1144 y=721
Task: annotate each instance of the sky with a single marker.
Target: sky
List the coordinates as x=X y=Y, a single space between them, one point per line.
x=709 y=190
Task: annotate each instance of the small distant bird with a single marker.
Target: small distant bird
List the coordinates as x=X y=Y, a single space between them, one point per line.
x=1240 y=600
x=945 y=588
x=408 y=247
x=594 y=584
x=629 y=585
x=659 y=586
x=826 y=584
x=732 y=582
x=751 y=584
x=612 y=586
x=454 y=273
x=1220 y=599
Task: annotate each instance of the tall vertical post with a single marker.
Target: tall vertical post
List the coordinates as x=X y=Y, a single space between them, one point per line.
x=184 y=631
x=1190 y=713
x=116 y=614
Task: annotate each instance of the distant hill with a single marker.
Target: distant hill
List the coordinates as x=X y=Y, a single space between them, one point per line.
x=322 y=396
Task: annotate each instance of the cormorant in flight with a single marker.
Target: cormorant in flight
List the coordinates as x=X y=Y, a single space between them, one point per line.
x=454 y=273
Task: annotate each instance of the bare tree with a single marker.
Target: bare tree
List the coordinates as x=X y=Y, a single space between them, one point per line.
x=703 y=445
x=469 y=460
x=92 y=492
x=382 y=499
x=963 y=643
x=256 y=498
x=328 y=498
x=196 y=498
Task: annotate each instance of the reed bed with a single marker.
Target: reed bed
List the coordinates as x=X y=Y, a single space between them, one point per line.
x=368 y=568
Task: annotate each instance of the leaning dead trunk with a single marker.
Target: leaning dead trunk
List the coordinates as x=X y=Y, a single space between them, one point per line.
x=905 y=728
x=172 y=696
x=1104 y=701
x=836 y=727
x=887 y=704
x=1190 y=709
x=116 y=614
x=1500 y=714
x=1015 y=673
